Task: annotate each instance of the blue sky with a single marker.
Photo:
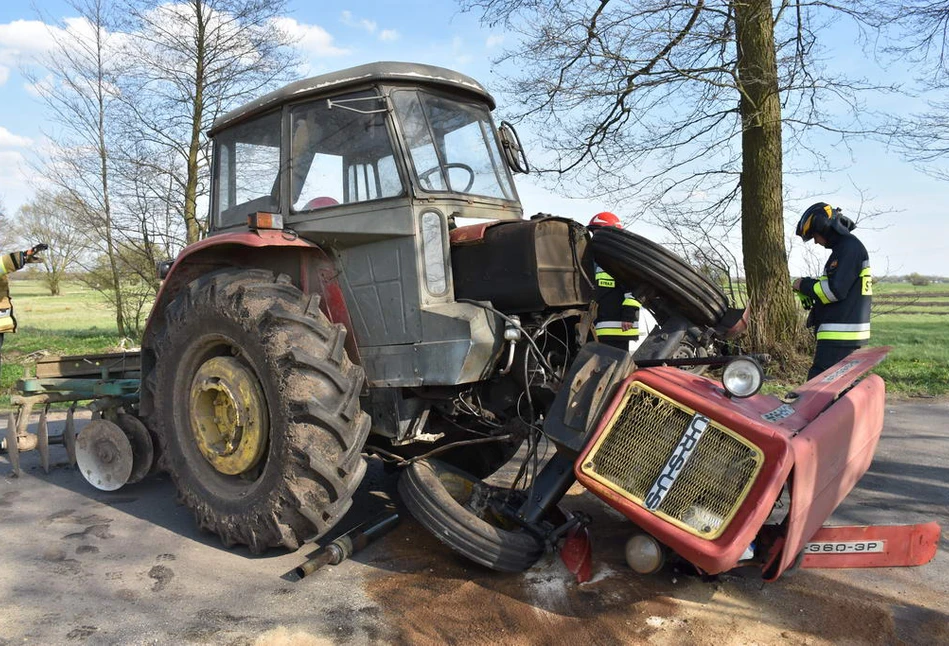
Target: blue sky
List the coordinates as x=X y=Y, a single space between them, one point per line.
x=914 y=237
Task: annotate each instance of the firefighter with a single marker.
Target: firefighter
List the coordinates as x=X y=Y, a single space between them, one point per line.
x=617 y=315
x=9 y=263
x=841 y=297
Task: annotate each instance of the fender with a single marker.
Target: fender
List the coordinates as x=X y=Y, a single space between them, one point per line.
x=830 y=455
x=309 y=266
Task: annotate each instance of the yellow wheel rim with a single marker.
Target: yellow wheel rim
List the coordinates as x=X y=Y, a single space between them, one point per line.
x=229 y=415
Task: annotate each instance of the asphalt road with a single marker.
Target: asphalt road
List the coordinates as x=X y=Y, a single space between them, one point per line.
x=78 y=565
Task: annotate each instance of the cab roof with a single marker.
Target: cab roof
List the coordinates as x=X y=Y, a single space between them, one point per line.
x=355 y=77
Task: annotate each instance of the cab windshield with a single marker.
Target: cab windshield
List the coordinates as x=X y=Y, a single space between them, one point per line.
x=452 y=145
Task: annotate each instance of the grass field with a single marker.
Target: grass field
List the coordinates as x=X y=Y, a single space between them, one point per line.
x=915 y=322
x=79 y=321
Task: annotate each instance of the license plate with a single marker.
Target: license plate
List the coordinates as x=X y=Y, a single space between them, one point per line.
x=845 y=547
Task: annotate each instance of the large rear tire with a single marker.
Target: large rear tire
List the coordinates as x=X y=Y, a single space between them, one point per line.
x=652 y=271
x=256 y=408
x=453 y=505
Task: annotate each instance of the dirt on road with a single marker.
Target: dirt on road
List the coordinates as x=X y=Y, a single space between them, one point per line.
x=79 y=565
x=438 y=598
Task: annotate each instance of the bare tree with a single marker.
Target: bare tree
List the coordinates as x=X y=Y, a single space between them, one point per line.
x=139 y=283
x=684 y=107
x=774 y=314
x=149 y=220
x=148 y=227
x=83 y=69
x=194 y=60
x=47 y=218
x=918 y=33
x=5 y=236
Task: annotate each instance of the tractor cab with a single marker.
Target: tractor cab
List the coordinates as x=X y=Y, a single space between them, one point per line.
x=381 y=136
x=375 y=165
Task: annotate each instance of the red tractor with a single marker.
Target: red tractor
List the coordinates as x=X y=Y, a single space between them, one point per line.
x=370 y=285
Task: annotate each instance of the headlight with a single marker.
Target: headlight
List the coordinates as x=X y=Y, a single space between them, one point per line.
x=644 y=554
x=742 y=377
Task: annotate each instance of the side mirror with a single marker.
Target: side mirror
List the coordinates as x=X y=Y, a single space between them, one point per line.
x=513 y=151
x=163 y=267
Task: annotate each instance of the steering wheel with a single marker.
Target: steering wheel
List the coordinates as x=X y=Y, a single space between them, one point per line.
x=425 y=177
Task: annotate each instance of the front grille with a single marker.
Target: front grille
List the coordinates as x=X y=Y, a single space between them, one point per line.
x=636 y=447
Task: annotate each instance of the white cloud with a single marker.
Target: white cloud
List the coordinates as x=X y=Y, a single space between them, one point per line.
x=349 y=20
x=26 y=38
x=10 y=161
x=461 y=53
x=17 y=182
x=388 y=35
x=81 y=29
x=313 y=40
x=494 y=40
x=28 y=42
x=10 y=140
x=42 y=87
x=22 y=41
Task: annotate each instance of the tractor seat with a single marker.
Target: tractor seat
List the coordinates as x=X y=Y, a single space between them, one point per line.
x=319 y=203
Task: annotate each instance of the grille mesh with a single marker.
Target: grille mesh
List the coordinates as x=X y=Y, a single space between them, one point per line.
x=637 y=445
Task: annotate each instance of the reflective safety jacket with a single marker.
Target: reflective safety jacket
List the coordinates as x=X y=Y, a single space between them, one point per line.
x=841 y=314
x=9 y=263
x=614 y=306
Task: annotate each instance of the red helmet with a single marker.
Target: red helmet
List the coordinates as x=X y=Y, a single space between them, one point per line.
x=605 y=219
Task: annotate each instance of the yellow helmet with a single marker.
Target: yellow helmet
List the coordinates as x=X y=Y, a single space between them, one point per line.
x=822 y=218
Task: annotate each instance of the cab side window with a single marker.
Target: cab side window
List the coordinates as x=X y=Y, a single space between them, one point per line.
x=248 y=170
x=341 y=153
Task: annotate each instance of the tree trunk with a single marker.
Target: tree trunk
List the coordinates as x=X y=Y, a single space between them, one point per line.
x=52 y=282
x=104 y=176
x=192 y=224
x=775 y=323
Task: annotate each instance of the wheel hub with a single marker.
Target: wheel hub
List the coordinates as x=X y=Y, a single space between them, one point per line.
x=229 y=415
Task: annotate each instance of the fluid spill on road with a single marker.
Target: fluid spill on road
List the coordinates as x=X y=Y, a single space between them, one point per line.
x=431 y=596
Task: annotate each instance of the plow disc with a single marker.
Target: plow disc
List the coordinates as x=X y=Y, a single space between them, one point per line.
x=104 y=454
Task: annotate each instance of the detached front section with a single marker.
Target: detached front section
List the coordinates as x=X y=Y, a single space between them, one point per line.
x=701 y=472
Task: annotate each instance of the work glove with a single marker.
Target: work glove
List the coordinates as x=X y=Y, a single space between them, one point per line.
x=32 y=255
x=806 y=301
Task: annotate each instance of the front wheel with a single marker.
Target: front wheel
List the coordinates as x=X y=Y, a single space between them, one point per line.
x=257 y=409
x=457 y=508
